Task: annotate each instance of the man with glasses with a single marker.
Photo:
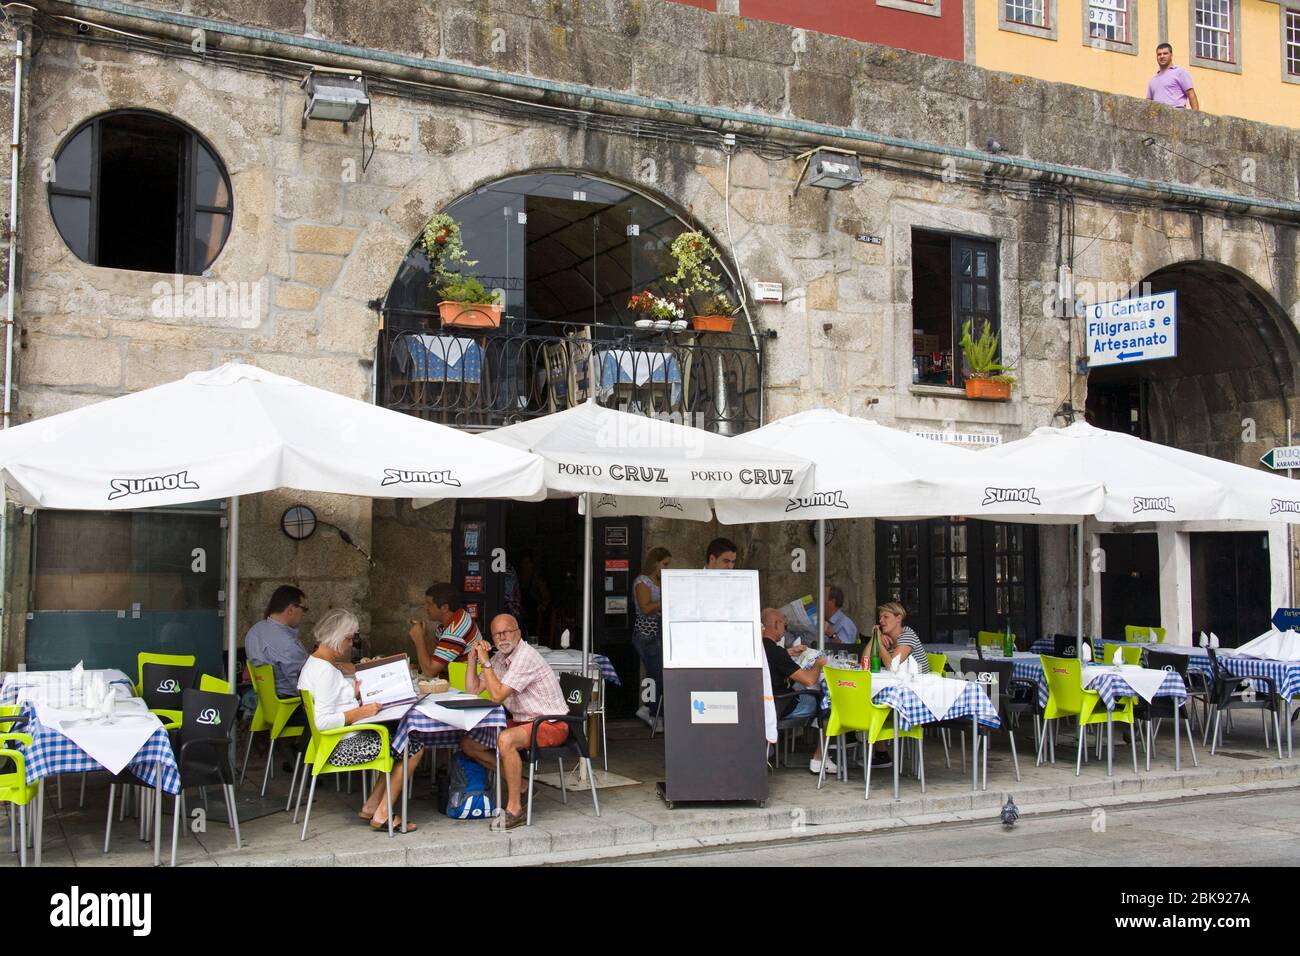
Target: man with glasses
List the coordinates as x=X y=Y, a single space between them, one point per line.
x=518 y=678
x=274 y=639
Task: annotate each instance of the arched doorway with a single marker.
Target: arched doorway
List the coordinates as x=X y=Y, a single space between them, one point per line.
x=566 y=251
x=1228 y=394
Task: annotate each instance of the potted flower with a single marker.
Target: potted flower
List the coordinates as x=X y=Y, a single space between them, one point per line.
x=695 y=254
x=657 y=311
x=985 y=378
x=464 y=300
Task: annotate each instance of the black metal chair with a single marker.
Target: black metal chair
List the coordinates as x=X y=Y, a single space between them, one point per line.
x=1235 y=693
x=577 y=691
x=1166 y=708
x=162 y=687
x=207 y=741
x=1064 y=645
x=789 y=725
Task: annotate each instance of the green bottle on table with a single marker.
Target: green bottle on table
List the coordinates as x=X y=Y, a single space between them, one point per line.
x=1008 y=642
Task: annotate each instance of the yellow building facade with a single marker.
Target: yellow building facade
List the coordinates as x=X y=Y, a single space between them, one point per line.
x=1243 y=55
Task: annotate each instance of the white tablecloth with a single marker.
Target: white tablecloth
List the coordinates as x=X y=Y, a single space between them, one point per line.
x=113 y=744
x=1144 y=680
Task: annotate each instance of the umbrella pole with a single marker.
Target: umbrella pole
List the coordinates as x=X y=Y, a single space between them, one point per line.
x=1078 y=608
x=586 y=581
x=232 y=587
x=821 y=584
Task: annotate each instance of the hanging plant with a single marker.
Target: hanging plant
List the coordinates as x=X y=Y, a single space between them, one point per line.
x=442 y=244
x=695 y=254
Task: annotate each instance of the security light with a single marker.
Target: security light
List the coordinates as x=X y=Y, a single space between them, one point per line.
x=834 y=170
x=335 y=97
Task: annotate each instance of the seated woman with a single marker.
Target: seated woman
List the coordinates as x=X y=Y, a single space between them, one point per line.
x=895 y=640
x=337 y=704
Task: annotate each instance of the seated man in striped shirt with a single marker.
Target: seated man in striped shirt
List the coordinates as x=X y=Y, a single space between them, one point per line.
x=518 y=678
x=454 y=631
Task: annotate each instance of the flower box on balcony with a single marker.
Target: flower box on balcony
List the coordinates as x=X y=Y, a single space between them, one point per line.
x=469 y=315
x=713 y=323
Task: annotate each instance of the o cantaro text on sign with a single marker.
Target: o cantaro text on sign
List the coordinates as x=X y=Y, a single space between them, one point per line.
x=1132 y=330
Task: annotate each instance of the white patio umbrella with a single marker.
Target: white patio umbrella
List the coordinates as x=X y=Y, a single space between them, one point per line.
x=634 y=464
x=1145 y=481
x=869 y=470
x=239 y=430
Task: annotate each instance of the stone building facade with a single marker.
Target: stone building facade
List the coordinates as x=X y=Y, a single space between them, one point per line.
x=465 y=94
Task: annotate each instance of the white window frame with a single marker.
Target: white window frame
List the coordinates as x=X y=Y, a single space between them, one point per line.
x=1285 y=13
x=1015 y=26
x=929 y=9
x=1233 y=63
x=1128 y=45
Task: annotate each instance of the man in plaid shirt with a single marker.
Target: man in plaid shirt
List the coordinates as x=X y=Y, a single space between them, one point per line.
x=518 y=678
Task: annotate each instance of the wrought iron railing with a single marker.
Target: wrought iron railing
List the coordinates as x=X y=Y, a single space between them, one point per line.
x=479 y=379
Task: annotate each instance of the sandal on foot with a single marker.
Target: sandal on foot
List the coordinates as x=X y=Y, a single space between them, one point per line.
x=397 y=826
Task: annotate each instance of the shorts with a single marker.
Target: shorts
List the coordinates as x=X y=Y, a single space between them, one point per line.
x=552 y=733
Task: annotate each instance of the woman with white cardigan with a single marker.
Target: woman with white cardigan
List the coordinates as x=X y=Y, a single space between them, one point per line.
x=337 y=704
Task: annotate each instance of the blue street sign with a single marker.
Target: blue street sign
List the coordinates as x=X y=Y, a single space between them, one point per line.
x=1286 y=617
x=1132 y=330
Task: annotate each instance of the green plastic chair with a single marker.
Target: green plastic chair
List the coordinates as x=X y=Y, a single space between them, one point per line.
x=149 y=657
x=325 y=742
x=216 y=685
x=853 y=712
x=1067 y=698
x=1141 y=633
x=14 y=787
x=990 y=639
x=938 y=663
x=1132 y=655
x=456 y=674
x=272 y=715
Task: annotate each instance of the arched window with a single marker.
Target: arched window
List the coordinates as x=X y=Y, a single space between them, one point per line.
x=136 y=190
x=565 y=249
x=567 y=252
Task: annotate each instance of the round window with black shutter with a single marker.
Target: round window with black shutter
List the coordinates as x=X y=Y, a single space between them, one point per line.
x=136 y=190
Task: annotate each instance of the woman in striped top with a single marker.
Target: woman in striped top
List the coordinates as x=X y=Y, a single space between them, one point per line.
x=896 y=640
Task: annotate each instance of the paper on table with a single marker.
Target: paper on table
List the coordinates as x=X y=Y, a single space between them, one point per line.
x=455 y=717
x=1118 y=657
x=391 y=712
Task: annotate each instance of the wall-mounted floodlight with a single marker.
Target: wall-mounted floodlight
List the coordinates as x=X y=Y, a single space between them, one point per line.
x=335 y=97
x=834 y=170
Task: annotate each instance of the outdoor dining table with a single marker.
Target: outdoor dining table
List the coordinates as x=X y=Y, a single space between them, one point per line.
x=52 y=753
x=427 y=729
x=900 y=695
x=1285 y=674
x=1108 y=681
x=15 y=681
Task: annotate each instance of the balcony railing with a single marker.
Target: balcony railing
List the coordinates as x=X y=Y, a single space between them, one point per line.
x=479 y=379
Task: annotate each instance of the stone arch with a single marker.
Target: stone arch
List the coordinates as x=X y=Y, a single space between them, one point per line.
x=1238 y=355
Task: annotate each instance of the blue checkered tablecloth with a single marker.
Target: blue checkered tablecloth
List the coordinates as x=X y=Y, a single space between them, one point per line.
x=422 y=728
x=1286 y=674
x=1112 y=686
x=637 y=367
x=607 y=672
x=1044 y=645
x=910 y=711
x=441 y=358
x=52 y=753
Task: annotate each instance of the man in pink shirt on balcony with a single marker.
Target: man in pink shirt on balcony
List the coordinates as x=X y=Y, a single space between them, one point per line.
x=1172 y=85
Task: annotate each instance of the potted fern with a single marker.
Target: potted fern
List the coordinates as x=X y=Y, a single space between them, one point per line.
x=695 y=254
x=465 y=302
x=986 y=377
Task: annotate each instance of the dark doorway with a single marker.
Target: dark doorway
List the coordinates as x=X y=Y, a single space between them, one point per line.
x=1230 y=585
x=543 y=547
x=1130 y=584
x=957 y=576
